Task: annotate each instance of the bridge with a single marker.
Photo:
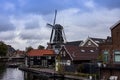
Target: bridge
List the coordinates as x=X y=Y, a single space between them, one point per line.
x=11 y=59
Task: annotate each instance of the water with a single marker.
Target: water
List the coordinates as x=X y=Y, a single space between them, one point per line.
x=16 y=74
x=12 y=74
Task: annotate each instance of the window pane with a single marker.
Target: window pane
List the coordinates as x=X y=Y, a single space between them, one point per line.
x=105 y=58
x=117 y=52
x=117 y=58
x=105 y=53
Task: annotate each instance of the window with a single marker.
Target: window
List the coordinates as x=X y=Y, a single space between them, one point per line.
x=31 y=58
x=105 y=56
x=38 y=57
x=91 y=50
x=49 y=57
x=89 y=43
x=68 y=62
x=82 y=50
x=64 y=54
x=117 y=56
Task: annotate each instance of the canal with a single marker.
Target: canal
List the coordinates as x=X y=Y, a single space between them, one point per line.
x=11 y=74
x=16 y=74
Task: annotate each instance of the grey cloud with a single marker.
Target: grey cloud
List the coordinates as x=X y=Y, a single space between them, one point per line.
x=28 y=36
x=6 y=27
x=5 y=24
x=8 y=35
x=32 y=25
x=33 y=35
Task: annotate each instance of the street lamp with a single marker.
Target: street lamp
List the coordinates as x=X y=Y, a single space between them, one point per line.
x=99 y=65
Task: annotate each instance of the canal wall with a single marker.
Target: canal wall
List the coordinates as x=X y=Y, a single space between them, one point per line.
x=50 y=73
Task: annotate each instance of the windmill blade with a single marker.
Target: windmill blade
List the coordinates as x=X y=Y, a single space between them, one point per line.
x=51 y=36
x=55 y=18
x=64 y=36
x=49 y=25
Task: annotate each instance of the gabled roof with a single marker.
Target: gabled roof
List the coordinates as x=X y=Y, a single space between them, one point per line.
x=112 y=27
x=36 y=52
x=10 y=49
x=96 y=41
x=74 y=43
x=82 y=53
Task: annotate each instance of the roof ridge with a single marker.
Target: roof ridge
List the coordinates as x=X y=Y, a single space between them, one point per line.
x=114 y=25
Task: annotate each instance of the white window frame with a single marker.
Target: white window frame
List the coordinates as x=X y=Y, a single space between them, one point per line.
x=117 y=54
x=105 y=55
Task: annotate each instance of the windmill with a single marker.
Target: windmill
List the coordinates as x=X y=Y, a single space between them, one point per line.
x=57 y=38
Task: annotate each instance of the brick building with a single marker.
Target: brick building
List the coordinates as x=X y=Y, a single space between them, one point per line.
x=111 y=53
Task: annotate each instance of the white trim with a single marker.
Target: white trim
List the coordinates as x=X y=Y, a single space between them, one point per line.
x=81 y=43
x=68 y=53
x=85 y=41
x=94 y=42
x=115 y=25
x=90 y=40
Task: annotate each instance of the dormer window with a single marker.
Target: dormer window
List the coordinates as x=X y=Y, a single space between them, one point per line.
x=73 y=54
x=82 y=50
x=89 y=43
x=91 y=50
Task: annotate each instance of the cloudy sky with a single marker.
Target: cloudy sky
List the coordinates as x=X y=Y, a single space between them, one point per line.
x=23 y=22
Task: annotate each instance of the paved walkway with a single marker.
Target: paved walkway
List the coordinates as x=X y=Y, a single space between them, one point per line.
x=45 y=70
x=54 y=72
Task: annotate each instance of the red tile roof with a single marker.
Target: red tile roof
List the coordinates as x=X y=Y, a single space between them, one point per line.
x=36 y=52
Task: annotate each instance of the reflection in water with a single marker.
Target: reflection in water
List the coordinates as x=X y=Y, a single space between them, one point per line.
x=12 y=74
x=16 y=74
x=29 y=76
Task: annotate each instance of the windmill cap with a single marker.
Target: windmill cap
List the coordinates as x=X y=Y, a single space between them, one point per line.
x=58 y=26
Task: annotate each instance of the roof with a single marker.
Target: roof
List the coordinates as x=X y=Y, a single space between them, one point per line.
x=96 y=41
x=10 y=49
x=109 y=39
x=36 y=52
x=82 y=53
x=112 y=27
x=74 y=43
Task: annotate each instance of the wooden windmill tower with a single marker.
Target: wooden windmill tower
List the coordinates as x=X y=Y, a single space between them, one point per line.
x=57 y=38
